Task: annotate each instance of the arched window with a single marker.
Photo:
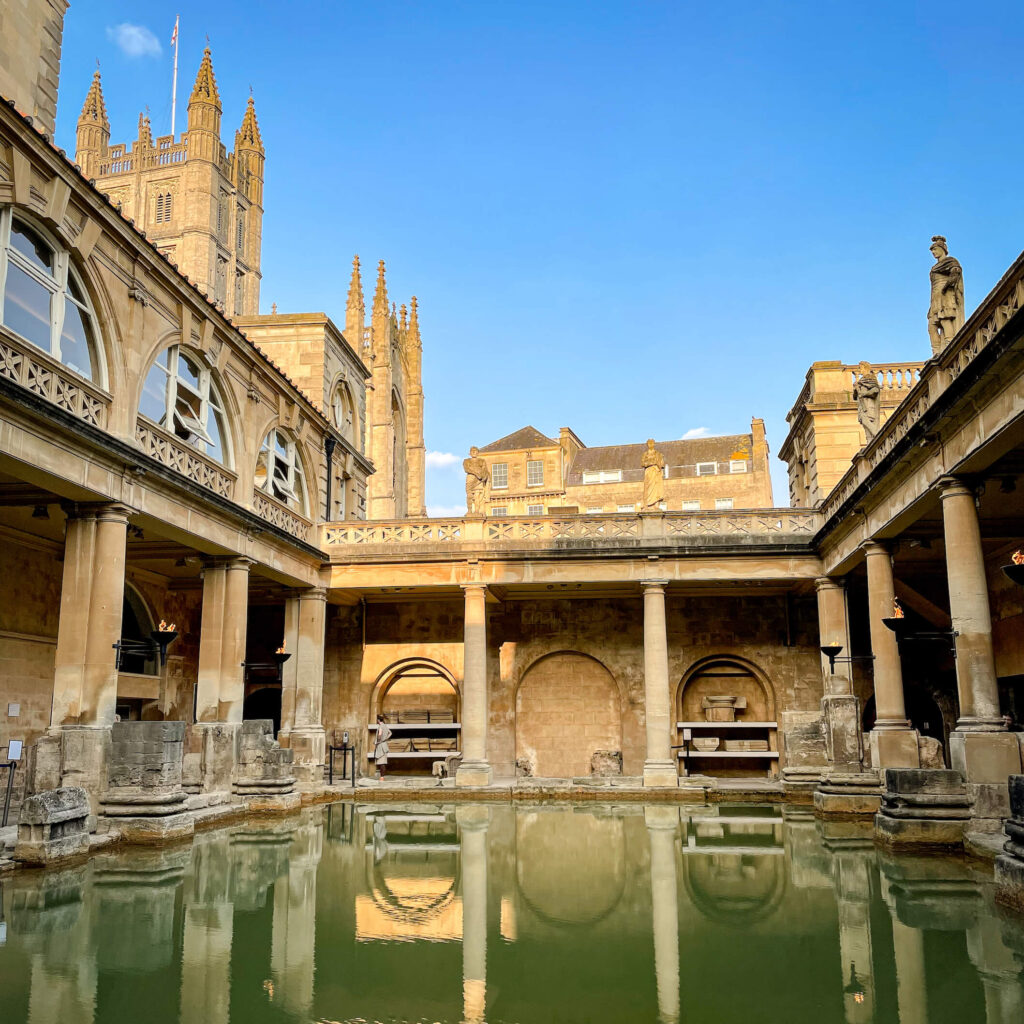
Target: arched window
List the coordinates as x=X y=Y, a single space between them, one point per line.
x=180 y=396
x=43 y=299
x=279 y=470
x=343 y=411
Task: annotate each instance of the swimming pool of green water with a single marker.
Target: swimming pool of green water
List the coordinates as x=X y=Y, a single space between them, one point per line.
x=513 y=914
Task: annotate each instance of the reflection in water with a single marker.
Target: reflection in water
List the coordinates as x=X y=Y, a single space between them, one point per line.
x=474 y=913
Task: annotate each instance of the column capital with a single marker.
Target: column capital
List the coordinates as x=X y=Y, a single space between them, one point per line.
x=830 y=583
x=875 y=547
x=654 y=585
x=306 y=594
x=953 y=487
x=240 y=562
x=109 y=511
x=474 y=586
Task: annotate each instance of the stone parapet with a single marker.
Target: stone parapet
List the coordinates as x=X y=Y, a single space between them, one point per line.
x=922 y=808
x=53 y=826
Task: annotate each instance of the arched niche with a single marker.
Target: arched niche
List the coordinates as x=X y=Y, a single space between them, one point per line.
x=726 y=675
x=568 y=707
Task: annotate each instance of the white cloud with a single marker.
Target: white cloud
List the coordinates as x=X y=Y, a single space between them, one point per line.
x=134 y=40
x=696 y=432
x=441 y=460
x=446 y=511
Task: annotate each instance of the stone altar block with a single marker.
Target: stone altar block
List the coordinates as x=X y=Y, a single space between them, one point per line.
x=53 y=826
x=264 y=774
x=922 y=808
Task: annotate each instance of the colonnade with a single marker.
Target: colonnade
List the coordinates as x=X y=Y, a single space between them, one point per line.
x=980 y=747
x=90 y=627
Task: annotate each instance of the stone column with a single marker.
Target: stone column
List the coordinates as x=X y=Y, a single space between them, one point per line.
x=659 y=768
x=475 y=769
x=302 y=693
x=851 y=872
x=980 y=748
x=893 y=742
x=661 y=831
x=85 y=663
x=221 y=682
x=210 y=746
x=998 y=969
x=473 y=825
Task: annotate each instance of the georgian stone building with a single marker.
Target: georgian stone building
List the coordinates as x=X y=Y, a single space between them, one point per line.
x=531 y=474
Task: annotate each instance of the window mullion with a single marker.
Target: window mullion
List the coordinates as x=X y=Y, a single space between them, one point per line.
x=60 y=265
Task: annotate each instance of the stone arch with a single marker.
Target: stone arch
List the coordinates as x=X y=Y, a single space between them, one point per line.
x=415 y=681
x=568 y=706
x=735 y=889
x=713 y=675
x=137 y=623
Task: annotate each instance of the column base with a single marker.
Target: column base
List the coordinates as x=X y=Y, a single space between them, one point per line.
x=473 y=773
x=986 y=760
x=1010 y=863
x=309 y=744
x=894 y=748
x=660 y=775
x=799 y=784
x=922 y=809
x=208 y=764
x=848 y=795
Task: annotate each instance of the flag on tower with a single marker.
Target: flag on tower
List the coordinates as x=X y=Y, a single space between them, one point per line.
x=174 y=34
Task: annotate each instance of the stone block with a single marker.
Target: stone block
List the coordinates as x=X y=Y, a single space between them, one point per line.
x=848 y=795
x=894 y=748
x=53 y=826
x=985 y=756
x=606 y=762
x=840 y=723
x=264 y=768
x=1009 y=869
x=922 y=808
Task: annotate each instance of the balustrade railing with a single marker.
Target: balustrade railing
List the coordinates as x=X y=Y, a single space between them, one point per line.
x=891 y=376
x=183 y=458
x=279 y=515
x=770 y=526
x=36 y=371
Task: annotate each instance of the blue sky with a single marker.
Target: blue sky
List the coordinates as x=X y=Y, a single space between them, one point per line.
x=633 y=219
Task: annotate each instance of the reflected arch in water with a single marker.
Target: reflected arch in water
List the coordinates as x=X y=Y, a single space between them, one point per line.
x=735 y=889
x=570 y=869
x=556 y=694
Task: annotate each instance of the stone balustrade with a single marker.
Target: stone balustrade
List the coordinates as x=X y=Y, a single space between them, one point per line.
x=183 y=458
x=891 y=376
x=766 y=529
x=39 y=373
x=279 y=515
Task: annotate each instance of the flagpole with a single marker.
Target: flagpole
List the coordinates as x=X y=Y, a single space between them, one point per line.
x=174 y=85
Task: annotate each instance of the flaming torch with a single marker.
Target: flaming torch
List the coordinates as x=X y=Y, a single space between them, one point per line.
x=897 y=622
x=280 y=657
x=1015 y=570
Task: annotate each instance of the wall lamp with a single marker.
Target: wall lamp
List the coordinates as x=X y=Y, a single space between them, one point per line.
x=904 y=629
x=280 y=656
x=155 y=647
x=1015 y=570
x=831 y=651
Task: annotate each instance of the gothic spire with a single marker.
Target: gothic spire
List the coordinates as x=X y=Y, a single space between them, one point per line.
x=414 y=322
x=355 y=286
x=205 y=89
x=248 y=136
x=145 y=132
x=403 y=318
x=380 y=295
x=94 y=110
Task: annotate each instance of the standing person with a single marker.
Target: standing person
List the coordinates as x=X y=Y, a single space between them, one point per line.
x=380 y=748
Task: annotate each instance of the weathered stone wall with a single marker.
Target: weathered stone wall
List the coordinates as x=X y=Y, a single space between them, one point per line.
x=776 y=638
x=30 y=45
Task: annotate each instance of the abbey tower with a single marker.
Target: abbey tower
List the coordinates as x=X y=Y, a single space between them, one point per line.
x=200 y=204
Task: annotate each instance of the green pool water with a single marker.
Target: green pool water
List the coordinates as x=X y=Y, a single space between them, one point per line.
x=509 y=914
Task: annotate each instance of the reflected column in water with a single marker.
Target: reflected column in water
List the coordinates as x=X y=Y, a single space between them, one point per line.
x=51 y=920
x=208 y=932
x=473 y=823
x=851 y=869
x=999 y=972
x=294 y=927
x=911 y=989
x=661 y=830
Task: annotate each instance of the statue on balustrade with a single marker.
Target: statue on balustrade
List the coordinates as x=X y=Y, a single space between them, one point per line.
x=868 y=395
x=946 y=313
x=477 y=476
x=653 y=463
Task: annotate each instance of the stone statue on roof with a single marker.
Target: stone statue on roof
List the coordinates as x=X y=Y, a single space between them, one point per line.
x=477 y=477
x=868 y=394
x=946 y=313
x=653 y=463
